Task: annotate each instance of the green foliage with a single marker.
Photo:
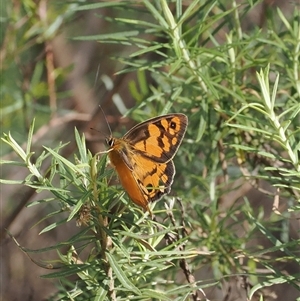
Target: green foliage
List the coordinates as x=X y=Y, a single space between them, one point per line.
x=124 y=256
x=25 y=88
x=241 y=93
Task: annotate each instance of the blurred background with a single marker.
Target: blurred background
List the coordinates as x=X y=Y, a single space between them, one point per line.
x=54 y=69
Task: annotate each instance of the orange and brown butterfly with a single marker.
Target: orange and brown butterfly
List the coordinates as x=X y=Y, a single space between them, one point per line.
x=143 y=157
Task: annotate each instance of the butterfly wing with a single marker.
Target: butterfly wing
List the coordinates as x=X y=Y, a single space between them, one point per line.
x=145 y=180
x=143 y=157
x=158 y=138
x=154 y=179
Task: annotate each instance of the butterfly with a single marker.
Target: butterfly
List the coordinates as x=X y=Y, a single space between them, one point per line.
x=143 y=157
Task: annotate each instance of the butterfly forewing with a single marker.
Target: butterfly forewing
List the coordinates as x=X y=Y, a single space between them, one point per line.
x=158 y=138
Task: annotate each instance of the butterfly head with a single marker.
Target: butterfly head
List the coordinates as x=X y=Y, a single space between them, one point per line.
x=110 y=141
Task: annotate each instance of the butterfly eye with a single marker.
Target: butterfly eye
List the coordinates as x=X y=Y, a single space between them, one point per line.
x=110 y=141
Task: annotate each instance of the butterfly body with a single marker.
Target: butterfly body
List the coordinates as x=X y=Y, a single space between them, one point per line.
x=143 y=157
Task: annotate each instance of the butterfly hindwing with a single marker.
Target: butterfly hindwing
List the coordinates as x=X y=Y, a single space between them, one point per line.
x=154 y=179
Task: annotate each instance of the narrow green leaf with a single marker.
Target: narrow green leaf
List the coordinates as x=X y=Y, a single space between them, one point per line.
x=73 y=167
x=79 y=204
x=116 y=36
x=80 y=141
x=156 y=14
x=70 y=270
x=13 y=182
x=30 y=134
x=14 y=163
x=12 y=143
x=100 y=5
x=269 y=282
x=156 y=294
x=121 y=275
x=53 y=226
x=101 y=294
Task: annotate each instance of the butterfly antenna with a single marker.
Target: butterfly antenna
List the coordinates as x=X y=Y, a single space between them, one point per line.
x=96 y=78
x=97 y=75
x=108 y=126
